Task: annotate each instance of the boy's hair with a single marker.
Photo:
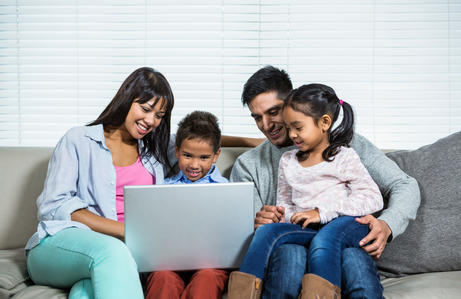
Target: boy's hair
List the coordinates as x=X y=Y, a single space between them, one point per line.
x=264 y=80
x=316 y=100
x=199 y=124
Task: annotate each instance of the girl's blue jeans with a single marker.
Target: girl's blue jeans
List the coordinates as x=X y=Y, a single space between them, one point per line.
x=91 y=264
x=325 y=249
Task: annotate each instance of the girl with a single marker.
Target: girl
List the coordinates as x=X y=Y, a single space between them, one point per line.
x=78 y=243
x=319 y=184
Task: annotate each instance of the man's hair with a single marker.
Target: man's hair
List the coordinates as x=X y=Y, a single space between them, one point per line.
x=264 y=80
x=202 y=125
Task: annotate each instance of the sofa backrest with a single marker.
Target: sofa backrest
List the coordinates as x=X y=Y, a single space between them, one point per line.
x=22 y=173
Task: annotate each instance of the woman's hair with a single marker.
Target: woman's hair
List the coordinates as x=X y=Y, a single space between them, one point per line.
x=141 y=86
x=316 y=100
x=202 y=125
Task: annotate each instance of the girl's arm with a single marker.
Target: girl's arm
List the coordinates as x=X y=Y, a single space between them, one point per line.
x=284 y=190
x=99 y=224
x=364 y=197
x=236 y=141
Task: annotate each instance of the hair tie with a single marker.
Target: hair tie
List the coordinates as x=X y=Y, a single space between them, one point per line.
x=340 y=102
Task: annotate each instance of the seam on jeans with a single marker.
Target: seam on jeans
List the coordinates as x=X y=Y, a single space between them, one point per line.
x=271 y=247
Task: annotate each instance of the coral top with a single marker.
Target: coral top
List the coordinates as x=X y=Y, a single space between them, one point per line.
x=135 y=174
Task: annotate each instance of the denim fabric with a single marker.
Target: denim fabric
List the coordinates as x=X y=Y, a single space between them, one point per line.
x=325 y=250
x=360 y=276
x=81 y=175
x=286 y=269
x=288 y=264
x=74 y=257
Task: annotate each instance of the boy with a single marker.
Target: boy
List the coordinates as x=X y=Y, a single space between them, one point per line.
x=197 y=148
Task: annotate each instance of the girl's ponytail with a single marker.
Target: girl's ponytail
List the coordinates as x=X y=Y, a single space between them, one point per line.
x=343 y=133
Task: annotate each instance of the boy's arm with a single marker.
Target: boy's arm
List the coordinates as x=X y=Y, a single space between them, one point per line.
x=401 y=190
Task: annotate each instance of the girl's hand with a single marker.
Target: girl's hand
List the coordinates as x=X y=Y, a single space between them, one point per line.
x=307 y=217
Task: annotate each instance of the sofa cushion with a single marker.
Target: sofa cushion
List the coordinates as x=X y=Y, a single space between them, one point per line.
x=431 y=242
x=13 y=271
x=35 y=292
x=428 y=285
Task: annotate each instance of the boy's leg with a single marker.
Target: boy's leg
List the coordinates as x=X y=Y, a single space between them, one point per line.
x=164 y=285
x=266 y=239
x=360 y=277
x=74 y=254
x=206 y=284
x=325 y=250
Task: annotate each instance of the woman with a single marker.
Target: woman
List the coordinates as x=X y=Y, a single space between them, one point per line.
x=78 y=241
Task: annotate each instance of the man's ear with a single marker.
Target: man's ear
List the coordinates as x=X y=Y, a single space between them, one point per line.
x=216 y=155
x=325 y=122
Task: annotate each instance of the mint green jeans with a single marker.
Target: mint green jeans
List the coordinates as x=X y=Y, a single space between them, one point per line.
x=91 y=264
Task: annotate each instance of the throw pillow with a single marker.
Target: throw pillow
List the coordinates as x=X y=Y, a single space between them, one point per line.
x=431 y=242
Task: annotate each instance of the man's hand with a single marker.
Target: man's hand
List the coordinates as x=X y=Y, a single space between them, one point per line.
x=306 y=217
x=377 y=237
x=269 y=214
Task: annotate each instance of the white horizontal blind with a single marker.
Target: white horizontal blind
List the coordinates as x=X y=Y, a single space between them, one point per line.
x=398 y=63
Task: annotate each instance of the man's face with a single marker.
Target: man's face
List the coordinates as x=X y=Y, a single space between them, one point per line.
x=266 y=109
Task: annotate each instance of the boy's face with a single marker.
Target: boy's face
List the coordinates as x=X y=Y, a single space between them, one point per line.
x=195 y=158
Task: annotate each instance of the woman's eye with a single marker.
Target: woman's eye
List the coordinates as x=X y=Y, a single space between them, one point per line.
x=145 y=109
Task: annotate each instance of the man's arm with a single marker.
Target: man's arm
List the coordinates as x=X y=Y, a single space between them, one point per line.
x=264 y=214
x=401 y=190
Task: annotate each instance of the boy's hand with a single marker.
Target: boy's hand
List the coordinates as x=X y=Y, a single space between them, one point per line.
x=307 y=217
x=269 y=214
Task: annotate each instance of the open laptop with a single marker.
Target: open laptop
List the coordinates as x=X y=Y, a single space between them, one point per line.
x=189 y=226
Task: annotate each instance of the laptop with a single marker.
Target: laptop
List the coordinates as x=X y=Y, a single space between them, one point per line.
x=188 y=226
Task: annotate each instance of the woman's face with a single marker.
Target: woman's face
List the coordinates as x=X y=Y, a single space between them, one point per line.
x=144 y=118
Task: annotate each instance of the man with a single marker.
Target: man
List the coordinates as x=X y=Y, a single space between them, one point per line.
x=263 y=93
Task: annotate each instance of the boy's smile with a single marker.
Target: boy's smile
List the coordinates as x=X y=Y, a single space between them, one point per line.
x=195 y=158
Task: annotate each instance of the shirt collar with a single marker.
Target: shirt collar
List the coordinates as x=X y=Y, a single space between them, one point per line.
x=213 y=176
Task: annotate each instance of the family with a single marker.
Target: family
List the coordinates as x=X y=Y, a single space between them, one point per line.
x=318 y=187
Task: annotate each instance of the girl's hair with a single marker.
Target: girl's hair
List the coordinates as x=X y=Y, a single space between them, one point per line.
x=141 y=86
x=316 y=100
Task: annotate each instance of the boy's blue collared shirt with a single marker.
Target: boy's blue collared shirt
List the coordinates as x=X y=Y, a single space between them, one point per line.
x=213 y=176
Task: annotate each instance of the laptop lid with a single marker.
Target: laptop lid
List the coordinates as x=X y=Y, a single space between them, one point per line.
x=188 y=226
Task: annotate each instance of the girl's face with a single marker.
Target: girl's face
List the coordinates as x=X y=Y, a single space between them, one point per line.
x=303 y=131
x=144 y=118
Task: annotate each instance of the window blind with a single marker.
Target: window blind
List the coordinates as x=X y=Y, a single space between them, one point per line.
x=398 y=63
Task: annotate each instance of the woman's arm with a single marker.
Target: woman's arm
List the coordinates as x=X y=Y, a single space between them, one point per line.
x=99 y=224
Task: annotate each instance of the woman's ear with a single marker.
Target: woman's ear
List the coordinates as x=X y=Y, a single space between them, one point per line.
x=325 y=123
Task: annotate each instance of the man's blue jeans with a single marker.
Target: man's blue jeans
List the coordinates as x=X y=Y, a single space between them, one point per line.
x=287 y=266
x=325 y=250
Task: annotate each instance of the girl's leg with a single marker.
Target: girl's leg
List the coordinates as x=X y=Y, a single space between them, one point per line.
x=164 y=285
x=75 y=254
x=266 y=239
x=326 y=247
x=206 y=284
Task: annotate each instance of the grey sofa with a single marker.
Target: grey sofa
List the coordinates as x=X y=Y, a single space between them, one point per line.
x=417 y=264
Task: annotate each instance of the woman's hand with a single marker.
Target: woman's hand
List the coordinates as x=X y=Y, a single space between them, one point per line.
x=307 y=217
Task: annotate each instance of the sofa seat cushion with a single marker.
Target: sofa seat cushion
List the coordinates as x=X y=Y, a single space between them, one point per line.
x=428 y=285
x=431 y=242
x=13 y=271
x=39 y=292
